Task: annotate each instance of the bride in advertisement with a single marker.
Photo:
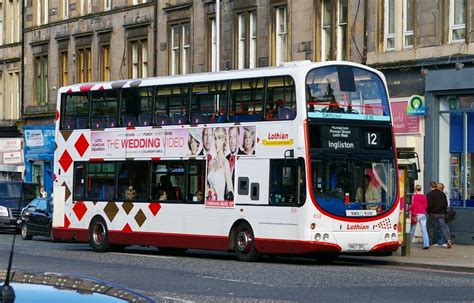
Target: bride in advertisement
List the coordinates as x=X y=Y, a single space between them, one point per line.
x=219 y=174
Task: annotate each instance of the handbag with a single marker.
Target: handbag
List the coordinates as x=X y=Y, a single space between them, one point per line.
x=414 y=219
x=450 y=215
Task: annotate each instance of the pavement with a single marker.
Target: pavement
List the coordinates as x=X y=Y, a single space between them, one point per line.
x=458 y=258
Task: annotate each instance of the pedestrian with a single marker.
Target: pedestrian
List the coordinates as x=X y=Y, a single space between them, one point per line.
x=437 y=208
x=441 y=241
x=418 y=210
x=43 y=193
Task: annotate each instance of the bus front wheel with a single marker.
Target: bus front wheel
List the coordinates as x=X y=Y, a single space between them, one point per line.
x=244 y=243
x=99 y=235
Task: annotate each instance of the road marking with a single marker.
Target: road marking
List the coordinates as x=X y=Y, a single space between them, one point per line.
x=232 y=280
x=177 y=299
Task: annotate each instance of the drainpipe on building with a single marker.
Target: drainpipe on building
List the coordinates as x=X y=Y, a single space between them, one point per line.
x=155 y=37
x=22 y=60
x=364 y=51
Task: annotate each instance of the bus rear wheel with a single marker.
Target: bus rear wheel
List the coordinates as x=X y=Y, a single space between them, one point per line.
x=99 y=235
x=244 y=243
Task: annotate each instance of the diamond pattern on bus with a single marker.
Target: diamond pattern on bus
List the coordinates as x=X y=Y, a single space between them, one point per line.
x=66 y=134
x=127 y=207
x=154 y=208
x=65 y=160
x=81 y=145
x=111 y=210
x=127 y=228
x=79 y=209
x=66 y=221
x=86 y=87
x=57 y=115
x=140 y=218
x=118 y=84
x=67 y=191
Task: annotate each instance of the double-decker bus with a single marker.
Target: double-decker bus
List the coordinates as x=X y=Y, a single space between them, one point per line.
x=295 y=159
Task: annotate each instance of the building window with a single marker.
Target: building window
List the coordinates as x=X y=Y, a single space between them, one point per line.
x=389 y=27
x=408 y=18
x=63 y=68
x=334 y=38
x=281 y=53
x=180 y=49
x=139 y=58
x=105 y=63
x=65 y=9
x=457 y=21
x=341 y=50
x=41 y=80
x=12 y=24
x=84 y=64
x=41 y=12
x=107 y=5
x=247 y=40
x=213 y=45
x=10 y=109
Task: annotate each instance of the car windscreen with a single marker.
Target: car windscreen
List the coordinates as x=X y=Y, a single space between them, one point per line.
x=10 y=190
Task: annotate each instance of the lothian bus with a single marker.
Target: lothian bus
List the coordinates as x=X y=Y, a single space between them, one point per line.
x=294 y=159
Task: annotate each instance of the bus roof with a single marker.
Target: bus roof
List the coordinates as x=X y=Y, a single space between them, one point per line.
x=287 y=68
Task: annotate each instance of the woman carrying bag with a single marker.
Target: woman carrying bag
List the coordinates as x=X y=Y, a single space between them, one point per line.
x=418 y=215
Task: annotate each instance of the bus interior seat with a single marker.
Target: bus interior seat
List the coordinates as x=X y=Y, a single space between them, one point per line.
x=111 y=121
x=82 y=122
x=178 y=118
x=69 y=123
x=197 y=118
x=285 y=113
x=220 y=118
x=144 y=119
x=161 y=119
x=129 y=120
x=98 y=122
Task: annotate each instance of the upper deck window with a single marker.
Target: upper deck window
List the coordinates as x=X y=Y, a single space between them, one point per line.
x=344 y=92
x=171 y=104
x=209 y=102
x=281 y=98
x=246 y=100
x=75 y=111
x=104 y=109
x=136 y=106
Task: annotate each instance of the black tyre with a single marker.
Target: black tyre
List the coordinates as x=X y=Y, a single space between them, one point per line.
x=53 y=238
x=25 y=233
x=244 y=243
x=99 y=235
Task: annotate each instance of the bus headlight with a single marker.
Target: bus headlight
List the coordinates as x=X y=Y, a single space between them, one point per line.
x=317 y=237
x=3 y=211
x=326 y=237
x=387 y=237
x=394 y=236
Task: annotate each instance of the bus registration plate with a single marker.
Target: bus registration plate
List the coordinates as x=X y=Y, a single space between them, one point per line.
x=357 y=247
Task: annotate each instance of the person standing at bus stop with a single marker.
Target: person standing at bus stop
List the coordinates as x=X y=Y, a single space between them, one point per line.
x=418 y=211
x=437 y=208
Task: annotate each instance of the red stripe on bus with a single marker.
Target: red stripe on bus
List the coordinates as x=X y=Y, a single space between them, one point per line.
x=222 y=243
x=385 y=247
x=96 y=160
x=155 y=158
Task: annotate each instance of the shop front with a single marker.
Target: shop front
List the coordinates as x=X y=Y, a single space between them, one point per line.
x=39 y=155
x=11 y=159
x=449 y=144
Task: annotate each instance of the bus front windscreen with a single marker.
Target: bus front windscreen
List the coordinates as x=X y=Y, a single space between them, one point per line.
x=346 y=90
x=350 y=186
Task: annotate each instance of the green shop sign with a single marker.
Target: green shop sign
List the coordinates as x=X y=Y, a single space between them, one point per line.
x=416 y=106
